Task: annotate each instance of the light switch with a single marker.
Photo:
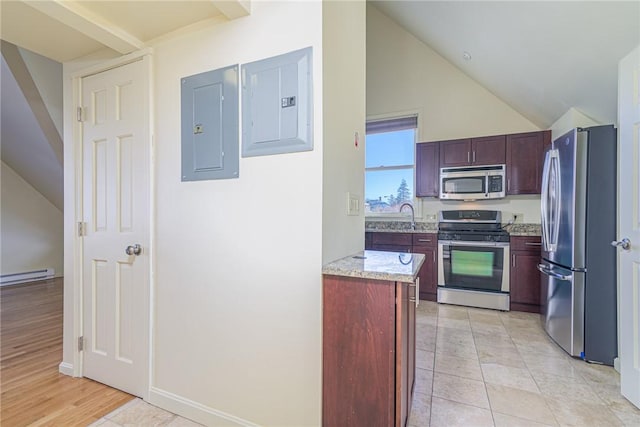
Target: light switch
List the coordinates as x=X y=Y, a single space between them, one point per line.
x=353 y=204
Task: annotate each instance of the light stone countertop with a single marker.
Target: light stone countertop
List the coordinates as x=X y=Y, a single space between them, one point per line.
x=527 y=229
x=400 y=227
x=377 y=265
x=523 y=229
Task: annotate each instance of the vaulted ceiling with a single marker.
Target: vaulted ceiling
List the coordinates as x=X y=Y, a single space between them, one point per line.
x=540 y=57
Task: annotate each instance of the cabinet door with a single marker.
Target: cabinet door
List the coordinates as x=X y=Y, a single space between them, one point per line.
x=427 y=244
x=428 y=272
x=411 y=346
x=402 y=354
x=390 y=238
x=428 y=169
x=489 y=150
x=525 y=281
x=455 y=153
x=524 y=162
x=359 y=361
x=524 y=274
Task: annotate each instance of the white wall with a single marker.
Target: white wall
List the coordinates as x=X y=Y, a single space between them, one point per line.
x=344 y=75
x=406 y=75
x=569 y=120
x=238 y=262
x=47 y=76
x=30 y=227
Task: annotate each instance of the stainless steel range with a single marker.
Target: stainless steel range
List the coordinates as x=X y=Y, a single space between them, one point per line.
x=473 y=259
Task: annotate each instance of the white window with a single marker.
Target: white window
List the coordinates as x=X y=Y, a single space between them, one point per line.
x=389 y=164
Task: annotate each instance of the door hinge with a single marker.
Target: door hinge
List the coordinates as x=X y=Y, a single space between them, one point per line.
x=80 y=343
x=79 y=114
x=82 y=229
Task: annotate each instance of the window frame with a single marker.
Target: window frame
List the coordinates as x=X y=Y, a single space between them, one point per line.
x=384 y=124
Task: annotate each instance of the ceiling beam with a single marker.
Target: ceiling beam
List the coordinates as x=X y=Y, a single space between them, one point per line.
x=233 y=9
x=72 y=14
x=22 y=75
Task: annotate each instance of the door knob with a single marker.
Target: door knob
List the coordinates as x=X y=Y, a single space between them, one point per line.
x=134 y=250
x=624 y=244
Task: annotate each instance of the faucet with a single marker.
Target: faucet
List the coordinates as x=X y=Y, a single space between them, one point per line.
x=413 y=215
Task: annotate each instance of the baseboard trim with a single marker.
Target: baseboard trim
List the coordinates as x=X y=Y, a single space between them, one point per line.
x=65 y=368
x=27 y=277
x=193 y=410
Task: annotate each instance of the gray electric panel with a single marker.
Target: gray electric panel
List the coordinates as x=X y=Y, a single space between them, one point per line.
x=277 y=104
x=209 y=103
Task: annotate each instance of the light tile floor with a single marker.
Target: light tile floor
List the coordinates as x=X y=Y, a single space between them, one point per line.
x=478 y=368
x=139 y=413
x=488 y=368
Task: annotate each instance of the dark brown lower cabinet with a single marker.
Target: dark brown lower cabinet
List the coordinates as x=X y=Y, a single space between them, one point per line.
x=419 y=243
x=524 y=276
x=427 y=244
x=368 y=352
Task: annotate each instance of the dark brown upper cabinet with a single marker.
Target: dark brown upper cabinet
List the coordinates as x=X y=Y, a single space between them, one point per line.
x=488 y=150
x=525 y=157
x=428 y=169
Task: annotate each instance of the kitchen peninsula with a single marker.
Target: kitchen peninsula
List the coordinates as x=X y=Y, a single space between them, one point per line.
x=369 y=348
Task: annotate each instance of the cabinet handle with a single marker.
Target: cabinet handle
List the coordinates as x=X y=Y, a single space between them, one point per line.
x=508 y=184
x=474 y=156
x=424 y=240
x=532 y=243
x=434 y=256
x=412 y=299
x=513 y=260
x=468 y=157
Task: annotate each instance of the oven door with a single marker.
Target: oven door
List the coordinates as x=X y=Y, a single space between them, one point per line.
x=480 y=266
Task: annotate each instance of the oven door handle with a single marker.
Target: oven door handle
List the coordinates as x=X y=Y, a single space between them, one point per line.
x=474 y=244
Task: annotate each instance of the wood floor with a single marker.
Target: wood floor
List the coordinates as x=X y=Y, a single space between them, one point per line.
x=33 y=391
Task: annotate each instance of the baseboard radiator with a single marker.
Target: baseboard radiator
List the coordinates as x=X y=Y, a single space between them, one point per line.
x=27 y=276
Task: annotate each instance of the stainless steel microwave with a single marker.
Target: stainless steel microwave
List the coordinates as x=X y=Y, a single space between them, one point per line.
x=472 y=182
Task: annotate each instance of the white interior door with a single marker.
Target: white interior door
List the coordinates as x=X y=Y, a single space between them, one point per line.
x=629 y=226
x=116 y=147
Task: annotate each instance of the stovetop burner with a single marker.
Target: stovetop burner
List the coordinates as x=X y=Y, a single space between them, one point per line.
x=474 y=236
x=472 y=225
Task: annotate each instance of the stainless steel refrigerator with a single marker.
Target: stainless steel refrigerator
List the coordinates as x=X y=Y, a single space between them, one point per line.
x=578 y=206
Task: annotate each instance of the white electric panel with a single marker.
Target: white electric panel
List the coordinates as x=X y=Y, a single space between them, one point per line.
x=277 y=104
x=209 y=136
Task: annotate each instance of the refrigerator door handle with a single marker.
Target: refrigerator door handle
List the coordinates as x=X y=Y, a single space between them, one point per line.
x=547 y=271
x=543 y=204
x=551 y=166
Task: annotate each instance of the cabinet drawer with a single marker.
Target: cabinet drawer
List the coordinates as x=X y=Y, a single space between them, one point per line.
x=430 y=239
x=525 y=243
x=391 y=239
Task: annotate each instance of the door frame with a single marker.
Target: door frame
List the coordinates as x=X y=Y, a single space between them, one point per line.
x=145 y=56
